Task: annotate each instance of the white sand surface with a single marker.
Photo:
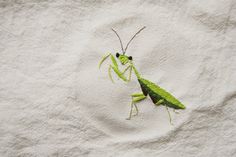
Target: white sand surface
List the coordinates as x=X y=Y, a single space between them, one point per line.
x=54 y=101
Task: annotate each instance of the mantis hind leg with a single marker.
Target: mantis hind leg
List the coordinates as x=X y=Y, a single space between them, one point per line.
x=175 y=111
x=136 y=97
x=169 y=114
x=161 y=101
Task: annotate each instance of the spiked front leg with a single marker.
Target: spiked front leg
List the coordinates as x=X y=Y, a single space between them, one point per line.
x=103 y=59
x=115 y=68
x=130 y=72
x=119 y=73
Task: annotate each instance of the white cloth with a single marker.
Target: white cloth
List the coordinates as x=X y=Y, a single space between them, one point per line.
x=54 y=101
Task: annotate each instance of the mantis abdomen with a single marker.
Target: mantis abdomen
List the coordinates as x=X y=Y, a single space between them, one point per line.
x=159 y=95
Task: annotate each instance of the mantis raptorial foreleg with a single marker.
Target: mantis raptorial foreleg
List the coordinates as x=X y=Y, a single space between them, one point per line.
x=130 y=72
x=103 y=59
x=109 y=73
x=136 y=97
x=119 y=73
x=114 y=67
x=126 y=69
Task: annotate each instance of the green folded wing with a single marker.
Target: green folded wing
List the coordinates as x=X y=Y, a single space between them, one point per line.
x=160 y=92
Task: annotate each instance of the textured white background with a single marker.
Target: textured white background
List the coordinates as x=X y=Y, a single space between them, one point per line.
x=55 y=102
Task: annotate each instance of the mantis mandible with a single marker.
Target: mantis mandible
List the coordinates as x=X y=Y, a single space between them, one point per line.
x=158 y=95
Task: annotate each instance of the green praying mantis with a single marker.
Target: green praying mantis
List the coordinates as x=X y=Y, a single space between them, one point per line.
x=158 y=95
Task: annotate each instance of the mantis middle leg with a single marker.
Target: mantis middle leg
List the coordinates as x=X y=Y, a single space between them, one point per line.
x=136 y=97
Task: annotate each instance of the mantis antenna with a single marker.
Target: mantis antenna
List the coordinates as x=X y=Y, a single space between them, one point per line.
x=133 y=38
x=122 y=48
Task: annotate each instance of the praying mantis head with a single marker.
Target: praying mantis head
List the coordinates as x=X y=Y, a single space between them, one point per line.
x=124 y=59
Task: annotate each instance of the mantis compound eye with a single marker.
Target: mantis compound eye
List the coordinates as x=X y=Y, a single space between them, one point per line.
x=117 y=55
x=130 y=58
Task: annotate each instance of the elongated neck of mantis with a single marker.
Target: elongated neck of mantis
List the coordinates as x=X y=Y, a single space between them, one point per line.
x=135 y=71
